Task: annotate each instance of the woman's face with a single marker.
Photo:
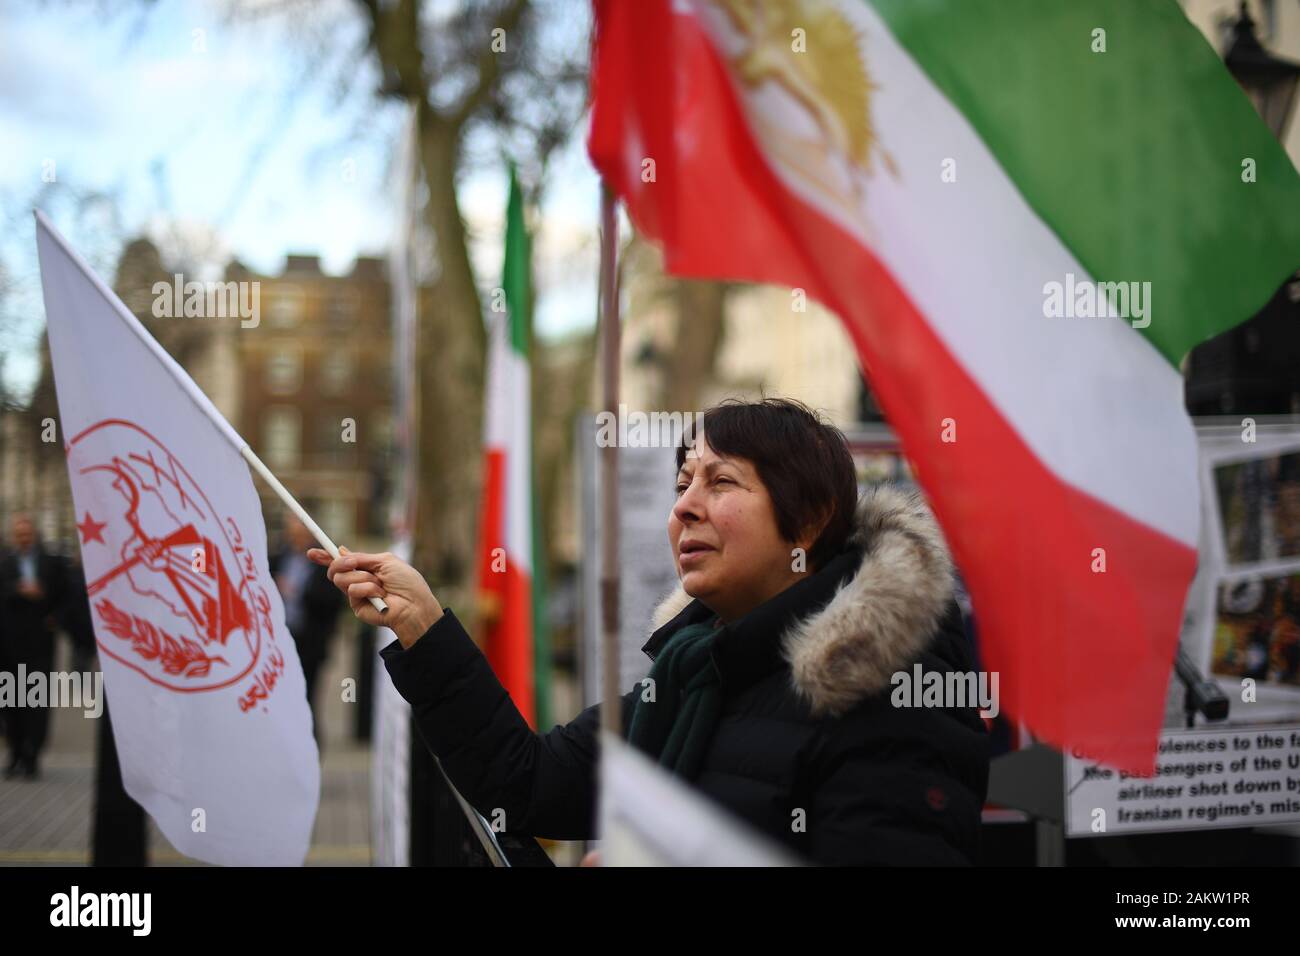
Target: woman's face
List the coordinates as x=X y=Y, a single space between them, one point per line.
x=723 y=533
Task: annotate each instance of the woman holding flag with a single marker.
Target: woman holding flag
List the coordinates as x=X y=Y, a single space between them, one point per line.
x=773 y=662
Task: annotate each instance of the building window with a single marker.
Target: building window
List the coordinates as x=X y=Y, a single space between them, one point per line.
x=382 y=429
x=286 y=306
x=334 y=451
x=342 y=308
x=336 y=371
x=336 y=519
x=284 y=371
x=282 y=436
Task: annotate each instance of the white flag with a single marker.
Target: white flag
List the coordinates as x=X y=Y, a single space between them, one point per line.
x=207 y=695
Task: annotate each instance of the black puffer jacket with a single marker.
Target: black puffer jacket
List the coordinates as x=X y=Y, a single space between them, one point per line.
x=807 y=724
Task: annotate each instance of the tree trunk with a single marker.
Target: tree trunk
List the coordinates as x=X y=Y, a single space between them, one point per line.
x=700 y=317
x=449 y=381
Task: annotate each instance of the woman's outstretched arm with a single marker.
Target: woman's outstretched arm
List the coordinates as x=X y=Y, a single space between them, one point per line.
x=545 y=784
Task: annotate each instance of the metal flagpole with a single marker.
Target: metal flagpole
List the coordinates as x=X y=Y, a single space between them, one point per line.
x=610 y=712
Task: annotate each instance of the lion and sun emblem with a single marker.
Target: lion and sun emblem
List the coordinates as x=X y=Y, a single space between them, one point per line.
x=812 y=52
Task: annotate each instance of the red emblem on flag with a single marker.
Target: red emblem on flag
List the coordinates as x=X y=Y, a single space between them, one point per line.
x=172 y=585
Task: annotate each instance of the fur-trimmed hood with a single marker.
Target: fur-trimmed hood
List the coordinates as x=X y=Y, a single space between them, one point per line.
x=880 y=619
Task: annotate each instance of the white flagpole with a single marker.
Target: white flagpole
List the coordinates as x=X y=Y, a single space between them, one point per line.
x=196 y=395
x=291 y=503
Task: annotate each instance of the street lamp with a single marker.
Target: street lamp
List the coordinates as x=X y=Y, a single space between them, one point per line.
x=1270 y=82
x=1253 y=368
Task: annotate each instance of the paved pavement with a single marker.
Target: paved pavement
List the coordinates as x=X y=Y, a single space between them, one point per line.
x=48 y=821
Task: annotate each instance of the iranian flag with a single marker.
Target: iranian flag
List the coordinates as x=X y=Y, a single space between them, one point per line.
x=1026 y=212
x=506 y=539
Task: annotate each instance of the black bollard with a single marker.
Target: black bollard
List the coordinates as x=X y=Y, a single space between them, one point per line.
x=440 y=834
x=363 y=713
x=118 y=834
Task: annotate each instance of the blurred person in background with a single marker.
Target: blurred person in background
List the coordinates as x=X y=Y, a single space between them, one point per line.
x=4 y=638
x=311 y=608
x=32 y=588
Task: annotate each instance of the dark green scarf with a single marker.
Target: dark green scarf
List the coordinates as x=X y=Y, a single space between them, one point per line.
x=677 y=725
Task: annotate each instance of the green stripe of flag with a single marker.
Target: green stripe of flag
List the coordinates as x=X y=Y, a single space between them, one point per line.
x=517 y=279
x=518 y=285
x=1134 y=156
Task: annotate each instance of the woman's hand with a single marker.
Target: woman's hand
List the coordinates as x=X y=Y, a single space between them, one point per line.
x=412 y=608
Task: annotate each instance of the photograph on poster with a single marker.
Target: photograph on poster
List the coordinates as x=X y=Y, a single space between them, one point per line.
x=1257 y=630
x=1243 y=612
x=1259 y=509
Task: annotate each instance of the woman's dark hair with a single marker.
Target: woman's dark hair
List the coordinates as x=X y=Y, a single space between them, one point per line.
x=802 y=461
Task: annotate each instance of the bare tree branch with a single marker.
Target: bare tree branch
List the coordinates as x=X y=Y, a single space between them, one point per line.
x=489 y=62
